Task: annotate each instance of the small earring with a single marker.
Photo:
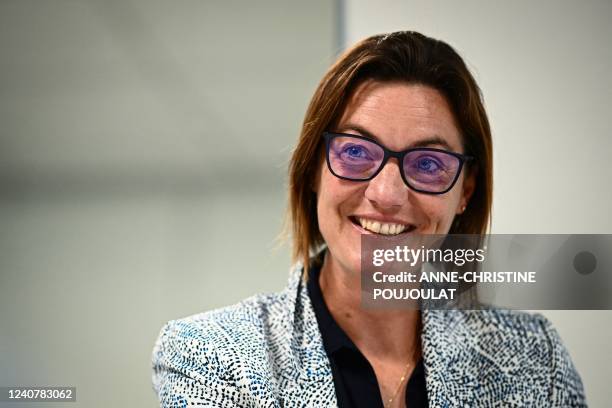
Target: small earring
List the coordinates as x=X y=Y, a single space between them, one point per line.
x=463 y=209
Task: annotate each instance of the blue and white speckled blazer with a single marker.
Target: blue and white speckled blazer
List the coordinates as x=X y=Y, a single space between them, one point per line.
x=266 y=351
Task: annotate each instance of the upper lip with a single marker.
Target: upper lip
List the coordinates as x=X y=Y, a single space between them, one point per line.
x=382 y=219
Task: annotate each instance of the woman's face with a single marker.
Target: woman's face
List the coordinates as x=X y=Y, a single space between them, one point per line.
x=400 y=116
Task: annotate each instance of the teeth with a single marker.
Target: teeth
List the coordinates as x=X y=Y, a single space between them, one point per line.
x=382 y=228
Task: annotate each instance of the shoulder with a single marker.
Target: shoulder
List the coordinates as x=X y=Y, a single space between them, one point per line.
x=544 y=349
x=527 y=337
x=244 y=321
x=510 y=323
x=242 y=324
x=524 y=349
x=218 y=352
x=505 y=325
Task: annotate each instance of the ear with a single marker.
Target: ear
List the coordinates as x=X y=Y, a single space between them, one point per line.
x=469 y=185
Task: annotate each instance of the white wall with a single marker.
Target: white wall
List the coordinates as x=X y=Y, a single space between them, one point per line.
x=544 y=69
x=143 y=150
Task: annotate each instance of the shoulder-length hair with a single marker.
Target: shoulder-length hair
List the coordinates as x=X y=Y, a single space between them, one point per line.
x=403 y=56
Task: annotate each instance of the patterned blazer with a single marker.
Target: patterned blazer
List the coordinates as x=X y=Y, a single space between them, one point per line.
x=266 y=351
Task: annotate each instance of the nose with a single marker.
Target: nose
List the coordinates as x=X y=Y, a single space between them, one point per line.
x=387 y=190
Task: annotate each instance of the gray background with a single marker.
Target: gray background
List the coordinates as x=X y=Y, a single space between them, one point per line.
x=143 y=149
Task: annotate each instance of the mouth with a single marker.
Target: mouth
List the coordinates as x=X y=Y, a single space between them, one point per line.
x=382 y=228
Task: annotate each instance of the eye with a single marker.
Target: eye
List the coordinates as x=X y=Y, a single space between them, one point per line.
x=355 y=152
x=428 y=165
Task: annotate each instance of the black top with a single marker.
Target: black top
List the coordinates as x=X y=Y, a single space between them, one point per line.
x=354 y=379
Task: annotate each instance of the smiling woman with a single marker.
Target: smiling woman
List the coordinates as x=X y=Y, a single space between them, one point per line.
x=395 y=141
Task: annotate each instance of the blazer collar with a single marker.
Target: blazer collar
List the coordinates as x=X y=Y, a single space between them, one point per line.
x=306 y=340
x=312 y=371
x=446 y=340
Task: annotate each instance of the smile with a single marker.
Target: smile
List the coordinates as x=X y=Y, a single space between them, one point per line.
x=383 y=228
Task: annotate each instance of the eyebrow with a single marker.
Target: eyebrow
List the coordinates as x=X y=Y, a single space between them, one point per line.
x=433 y=140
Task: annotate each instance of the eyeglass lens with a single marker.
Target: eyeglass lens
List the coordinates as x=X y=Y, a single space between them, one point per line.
x=359 y=159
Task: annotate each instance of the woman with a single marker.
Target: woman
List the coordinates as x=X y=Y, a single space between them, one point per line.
x=312 y=345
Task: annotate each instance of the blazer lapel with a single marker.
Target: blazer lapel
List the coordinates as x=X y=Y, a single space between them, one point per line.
x=313 y=383
x=454 y=373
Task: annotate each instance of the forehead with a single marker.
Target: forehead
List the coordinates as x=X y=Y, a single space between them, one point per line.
x=400 y=115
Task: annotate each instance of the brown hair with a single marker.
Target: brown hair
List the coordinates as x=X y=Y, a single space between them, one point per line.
x=404 y=56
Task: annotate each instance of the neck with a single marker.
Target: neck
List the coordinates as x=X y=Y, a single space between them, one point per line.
x=383 y=335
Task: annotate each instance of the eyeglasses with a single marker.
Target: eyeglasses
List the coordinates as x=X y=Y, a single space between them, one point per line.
x=423 y=169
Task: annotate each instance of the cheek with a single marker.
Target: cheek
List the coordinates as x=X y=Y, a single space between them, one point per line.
x=335 y=199
x=438 y=212
x=327 y=192
x=333 y=192
x=328 y=201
